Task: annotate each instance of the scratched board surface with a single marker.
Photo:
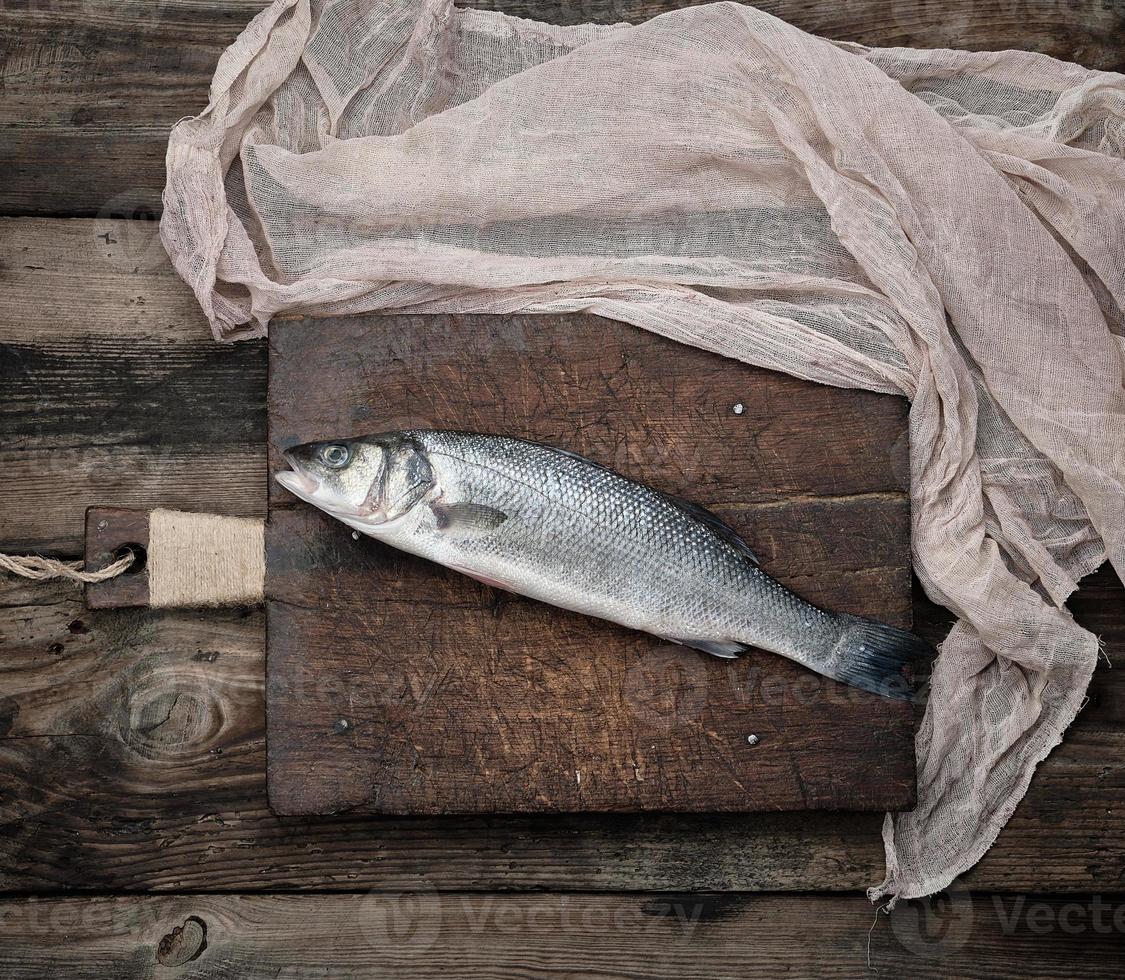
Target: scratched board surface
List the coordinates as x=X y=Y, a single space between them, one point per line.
x=397 y=686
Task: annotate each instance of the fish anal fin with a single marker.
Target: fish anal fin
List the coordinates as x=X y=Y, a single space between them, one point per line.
x=727 y=649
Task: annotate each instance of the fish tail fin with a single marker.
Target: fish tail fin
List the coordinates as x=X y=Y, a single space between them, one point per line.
x=872 y=657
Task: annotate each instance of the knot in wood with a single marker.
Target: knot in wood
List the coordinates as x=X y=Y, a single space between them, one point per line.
x=183 y=944
x=171 y=712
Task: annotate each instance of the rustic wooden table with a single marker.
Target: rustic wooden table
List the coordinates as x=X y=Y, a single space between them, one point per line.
x=135 y=836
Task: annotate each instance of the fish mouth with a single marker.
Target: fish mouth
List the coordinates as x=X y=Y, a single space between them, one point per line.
x=307 y=488
x=297 y=482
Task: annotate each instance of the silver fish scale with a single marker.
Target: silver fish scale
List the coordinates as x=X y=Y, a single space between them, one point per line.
x=584 y=538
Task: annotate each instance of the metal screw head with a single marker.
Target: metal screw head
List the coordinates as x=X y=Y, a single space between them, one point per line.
x=341 y=725
x=739 y=409
x=752 y=740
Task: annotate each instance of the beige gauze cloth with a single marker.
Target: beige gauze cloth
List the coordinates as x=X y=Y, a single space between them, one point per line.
x=944 y=225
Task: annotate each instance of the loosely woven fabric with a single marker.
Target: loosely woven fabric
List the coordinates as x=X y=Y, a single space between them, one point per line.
x=942 y=224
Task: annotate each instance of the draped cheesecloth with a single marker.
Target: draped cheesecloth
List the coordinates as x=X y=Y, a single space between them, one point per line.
x=946 y=225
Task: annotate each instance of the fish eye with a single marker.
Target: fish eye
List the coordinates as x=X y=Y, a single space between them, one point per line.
x=336 y=456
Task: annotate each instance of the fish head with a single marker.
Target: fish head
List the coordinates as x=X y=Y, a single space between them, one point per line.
x=369 y=479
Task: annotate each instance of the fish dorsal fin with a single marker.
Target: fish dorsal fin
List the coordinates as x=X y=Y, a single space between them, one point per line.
x=701 y=514
x=585 y=459
x=716 y=524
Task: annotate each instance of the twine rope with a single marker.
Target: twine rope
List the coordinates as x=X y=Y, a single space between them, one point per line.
x=40 y=569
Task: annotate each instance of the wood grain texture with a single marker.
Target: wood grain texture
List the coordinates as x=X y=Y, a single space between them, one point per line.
x=46 y=491
x=110 y=531
x=132 y=743
x=92 y=87
x=398 y=687
x=132 y=756
x=71 y=280
x=88 y=804
x=425 y=935
x=114 y=391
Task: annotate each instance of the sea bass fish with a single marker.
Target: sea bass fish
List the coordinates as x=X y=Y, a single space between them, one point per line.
x=557 y=527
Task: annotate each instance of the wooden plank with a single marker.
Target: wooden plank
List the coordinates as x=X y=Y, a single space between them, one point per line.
x=93 y=281
x=86 y=117
x=515 y=936
x=138 y=391
x=46 y=491
x=397 y=687
x=132 y=756
x=114 y=391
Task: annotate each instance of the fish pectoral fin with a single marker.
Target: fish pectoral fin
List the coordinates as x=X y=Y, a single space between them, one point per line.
x=467 y=517
x=727 y=649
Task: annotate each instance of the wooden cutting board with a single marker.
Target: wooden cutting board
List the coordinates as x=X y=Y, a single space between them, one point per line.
x=397 y=686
